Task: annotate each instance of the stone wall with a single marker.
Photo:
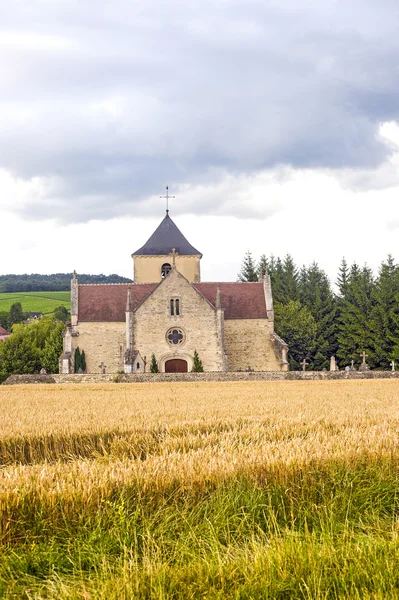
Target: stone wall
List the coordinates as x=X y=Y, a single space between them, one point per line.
x=227 y=376
x=249 y=343
x=197 y=319
x=197 y=377
x=103 y=343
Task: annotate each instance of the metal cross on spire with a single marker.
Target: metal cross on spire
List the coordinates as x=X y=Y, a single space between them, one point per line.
x=167 y=199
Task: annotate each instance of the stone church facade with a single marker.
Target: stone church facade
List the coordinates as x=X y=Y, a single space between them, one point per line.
x=170 y=313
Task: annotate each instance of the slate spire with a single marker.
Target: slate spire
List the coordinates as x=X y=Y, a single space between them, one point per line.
x=165 y=238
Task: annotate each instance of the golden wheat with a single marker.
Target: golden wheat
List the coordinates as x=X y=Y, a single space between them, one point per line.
x=83 y=442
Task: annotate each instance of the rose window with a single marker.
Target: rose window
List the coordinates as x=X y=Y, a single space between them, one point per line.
x=175 y=336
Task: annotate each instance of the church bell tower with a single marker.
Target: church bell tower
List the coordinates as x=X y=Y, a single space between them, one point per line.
x=165 y=249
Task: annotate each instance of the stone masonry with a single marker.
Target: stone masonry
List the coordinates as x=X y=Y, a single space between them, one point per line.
x=197 y=319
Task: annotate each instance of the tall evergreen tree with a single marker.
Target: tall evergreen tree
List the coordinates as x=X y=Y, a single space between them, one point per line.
x=343 y=279
x=317 y=296
x=77 y=360
x=385 y=315
x=248 y=269
x=263 y=266
x=354 y=328
x=276 y=272
x=83 y=361
x=289 y=280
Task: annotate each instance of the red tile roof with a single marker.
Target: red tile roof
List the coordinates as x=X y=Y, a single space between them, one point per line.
x=239 y=300
x=4 y=331
x=107 y=302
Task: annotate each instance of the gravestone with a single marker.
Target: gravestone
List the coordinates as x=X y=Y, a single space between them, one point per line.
x=364 y=366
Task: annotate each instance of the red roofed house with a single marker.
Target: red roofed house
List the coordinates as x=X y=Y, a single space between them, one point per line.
x=4 y=334
x=168 y=312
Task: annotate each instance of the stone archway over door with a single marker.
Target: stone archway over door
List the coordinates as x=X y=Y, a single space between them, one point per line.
x=176 y=365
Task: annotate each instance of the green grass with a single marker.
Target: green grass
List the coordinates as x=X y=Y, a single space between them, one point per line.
x=44 y=302
x=327 y=530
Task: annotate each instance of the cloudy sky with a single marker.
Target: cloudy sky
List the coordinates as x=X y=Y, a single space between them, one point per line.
x=274 y=123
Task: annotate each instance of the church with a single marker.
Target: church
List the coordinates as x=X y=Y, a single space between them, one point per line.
x=169 y=313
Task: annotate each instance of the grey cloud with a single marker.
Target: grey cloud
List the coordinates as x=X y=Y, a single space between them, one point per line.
x=116 y=101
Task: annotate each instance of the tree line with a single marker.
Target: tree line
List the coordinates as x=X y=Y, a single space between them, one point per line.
x=57 y=282
x=318 y=321
x=16 y=315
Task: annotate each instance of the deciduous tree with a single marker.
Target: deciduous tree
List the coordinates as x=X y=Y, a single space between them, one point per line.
x=296 y=325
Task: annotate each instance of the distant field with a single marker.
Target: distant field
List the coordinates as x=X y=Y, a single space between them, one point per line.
x=227 y=491
x=44 y=302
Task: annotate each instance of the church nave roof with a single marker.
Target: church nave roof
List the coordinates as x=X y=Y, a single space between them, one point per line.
x=107 y=302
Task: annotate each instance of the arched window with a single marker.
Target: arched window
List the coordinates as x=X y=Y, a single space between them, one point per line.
x=166 y=267
x=175 y=307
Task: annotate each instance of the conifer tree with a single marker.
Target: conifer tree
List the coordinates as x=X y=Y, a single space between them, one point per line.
x=385 y=314
x=262 y=266
x=343 y=278
x=248 y=269
x=354 y=328
x=276 y=272
x=154 y=364
x=289 y=280
x=77 y=361
x=197 y=364
x=83 y=361
x=317 y=296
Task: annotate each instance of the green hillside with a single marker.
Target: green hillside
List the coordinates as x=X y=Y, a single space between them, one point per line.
x=44 y=302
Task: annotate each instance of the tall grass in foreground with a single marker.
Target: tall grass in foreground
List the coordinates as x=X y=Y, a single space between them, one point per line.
x=291 y=497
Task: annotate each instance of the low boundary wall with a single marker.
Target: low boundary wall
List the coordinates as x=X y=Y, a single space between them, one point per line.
x=195 y=377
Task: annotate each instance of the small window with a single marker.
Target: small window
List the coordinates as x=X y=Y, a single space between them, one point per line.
x=165 y=269
x=138 y=366
x=174 y=307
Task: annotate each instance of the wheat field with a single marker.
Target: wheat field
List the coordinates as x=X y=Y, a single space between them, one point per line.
x=200 y=490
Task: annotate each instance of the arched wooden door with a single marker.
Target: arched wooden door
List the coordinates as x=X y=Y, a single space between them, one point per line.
x=176 y=365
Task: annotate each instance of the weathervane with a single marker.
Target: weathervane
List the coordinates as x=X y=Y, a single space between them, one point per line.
x=167 y=199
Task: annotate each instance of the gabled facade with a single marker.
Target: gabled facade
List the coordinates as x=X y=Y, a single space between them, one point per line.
x=169 y=313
